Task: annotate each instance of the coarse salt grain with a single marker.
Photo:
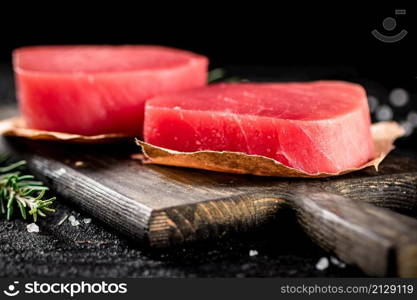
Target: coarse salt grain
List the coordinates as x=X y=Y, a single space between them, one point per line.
x=60 y=172
x=322 y=264
x=73 y=221
x=337 y=262
x=32 y=227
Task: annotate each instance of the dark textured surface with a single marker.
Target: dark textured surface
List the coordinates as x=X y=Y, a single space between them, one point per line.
x=96 y=250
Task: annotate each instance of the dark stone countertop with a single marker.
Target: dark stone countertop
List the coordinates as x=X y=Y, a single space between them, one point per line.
x=94 y=250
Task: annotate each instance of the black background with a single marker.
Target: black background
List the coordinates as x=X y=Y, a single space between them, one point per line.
x=255 y=40
x=255 y=33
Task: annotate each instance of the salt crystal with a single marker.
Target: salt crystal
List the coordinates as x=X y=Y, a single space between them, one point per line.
x=322 y=264
x=60 y=172
x=73 y=221
x=334 y=260
x=337 y=262
x=253 y=253
x=32 y=227
x=87 y=220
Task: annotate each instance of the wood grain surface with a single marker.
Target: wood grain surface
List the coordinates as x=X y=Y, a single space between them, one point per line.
x=168 y=206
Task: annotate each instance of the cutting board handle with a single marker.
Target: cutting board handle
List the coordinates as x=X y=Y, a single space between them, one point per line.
x=378 y=240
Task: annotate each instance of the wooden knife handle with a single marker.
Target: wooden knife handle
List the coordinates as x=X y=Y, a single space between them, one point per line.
x=378 y=240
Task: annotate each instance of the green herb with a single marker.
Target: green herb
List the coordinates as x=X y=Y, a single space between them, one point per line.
x=216 y=75
x=219 y=75
x=21 y=192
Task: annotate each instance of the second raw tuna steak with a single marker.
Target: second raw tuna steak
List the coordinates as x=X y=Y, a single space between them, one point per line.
x=92 y=90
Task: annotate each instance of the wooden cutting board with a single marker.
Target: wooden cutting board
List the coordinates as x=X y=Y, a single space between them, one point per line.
x=166 y=206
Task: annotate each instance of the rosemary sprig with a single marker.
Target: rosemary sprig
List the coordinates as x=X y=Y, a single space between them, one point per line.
x=216 y=75
x=219 y=75
x=21 y=192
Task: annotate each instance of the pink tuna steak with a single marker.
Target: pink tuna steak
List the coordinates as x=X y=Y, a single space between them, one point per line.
x=315 y=127
x=91 y=90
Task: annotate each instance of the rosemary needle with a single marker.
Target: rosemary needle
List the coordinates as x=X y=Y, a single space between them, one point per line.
x=219 y=75
x=21 y=192
x=216 y=75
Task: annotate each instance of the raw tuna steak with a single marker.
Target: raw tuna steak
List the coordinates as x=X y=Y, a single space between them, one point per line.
x=316 y=127
x=91 y=90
